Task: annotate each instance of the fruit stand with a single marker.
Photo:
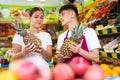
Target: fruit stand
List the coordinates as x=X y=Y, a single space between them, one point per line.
x=2 y=69
x=108 y=68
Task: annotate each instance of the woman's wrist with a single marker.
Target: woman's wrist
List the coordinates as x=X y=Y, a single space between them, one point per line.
x=42 y=50
x=19 y=55
x=24 y=52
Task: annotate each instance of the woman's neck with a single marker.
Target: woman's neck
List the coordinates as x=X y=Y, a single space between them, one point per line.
x=34 y=30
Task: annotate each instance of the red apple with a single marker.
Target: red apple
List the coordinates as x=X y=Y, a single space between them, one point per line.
x=63 y=72
x=45 y=74
x=79 y=65
x=27 y=71
x=94 y=72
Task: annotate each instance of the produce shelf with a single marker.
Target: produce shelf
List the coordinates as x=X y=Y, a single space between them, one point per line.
x=108 y=31
x=111 y=55
x=92 y=5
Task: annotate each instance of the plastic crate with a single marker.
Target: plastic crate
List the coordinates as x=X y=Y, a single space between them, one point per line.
x=108 y=31
x=118 y=29
x=113 y=78
x=111 y=55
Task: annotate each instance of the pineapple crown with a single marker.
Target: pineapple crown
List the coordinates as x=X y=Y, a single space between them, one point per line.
x=77 y=32
x=19 y=28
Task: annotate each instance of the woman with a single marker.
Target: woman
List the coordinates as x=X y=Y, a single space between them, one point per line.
x=29 y=52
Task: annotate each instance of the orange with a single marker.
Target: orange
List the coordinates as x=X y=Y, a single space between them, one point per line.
x=117 y=68
x=107 y=74
x=104 y=67
x=114 y=73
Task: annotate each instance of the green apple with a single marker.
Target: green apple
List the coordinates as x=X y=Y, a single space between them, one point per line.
x=1 y=53
x=9 y=59
x=3 y=50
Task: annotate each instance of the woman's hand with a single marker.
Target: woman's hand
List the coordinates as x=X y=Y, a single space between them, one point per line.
x=75 y=48
x=39 y=50
x=30 y=47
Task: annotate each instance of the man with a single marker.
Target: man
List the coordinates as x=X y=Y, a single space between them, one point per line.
x=68 y=17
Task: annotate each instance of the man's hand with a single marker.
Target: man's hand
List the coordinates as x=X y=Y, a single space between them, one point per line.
x=59 y=58
x=75 y=48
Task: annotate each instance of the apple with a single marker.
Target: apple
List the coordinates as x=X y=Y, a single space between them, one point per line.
x=45 y=74
x=79 y=65
x=63 y=71
x=1 y=53
x=27 y=71
x=3 y=50
x=9 y=59
x=1 y=57
x=94 y=72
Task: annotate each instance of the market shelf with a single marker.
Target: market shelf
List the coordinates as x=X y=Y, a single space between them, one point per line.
x=110 y=55
x=92 y=5
x=108 y=31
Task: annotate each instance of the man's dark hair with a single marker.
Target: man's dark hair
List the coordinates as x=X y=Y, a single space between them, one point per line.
x=69 y=7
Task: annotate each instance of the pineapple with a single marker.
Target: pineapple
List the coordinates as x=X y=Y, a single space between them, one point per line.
x=27 y=36
x=75 y=38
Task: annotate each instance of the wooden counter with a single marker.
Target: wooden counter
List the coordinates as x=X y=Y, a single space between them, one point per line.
x=2 y=69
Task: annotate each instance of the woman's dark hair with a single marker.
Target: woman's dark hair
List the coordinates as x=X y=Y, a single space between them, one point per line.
x=34 y=10
x=69 y=7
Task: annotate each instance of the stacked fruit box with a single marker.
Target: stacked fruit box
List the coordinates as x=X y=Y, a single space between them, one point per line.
x=108 y=31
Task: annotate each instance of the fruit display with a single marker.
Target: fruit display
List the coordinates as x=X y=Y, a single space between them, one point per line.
x=110 y=70
x=6 y=30
x=107 y=60
x=104 y=10
x=6 y=57
x=78 y=68
x=27 y=36
x=15 y=13
x=25 y=70
x=2 y=51
x=79 y=65
x=88 y=14
x=75 y=38
x=95 y=72
x=63 y=72
x=102 y=14
x=50 y=16
x=9 y=55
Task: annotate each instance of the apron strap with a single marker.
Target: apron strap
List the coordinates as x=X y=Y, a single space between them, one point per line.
x=66 y=36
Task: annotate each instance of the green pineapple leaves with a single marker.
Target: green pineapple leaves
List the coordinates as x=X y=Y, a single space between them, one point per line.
x=19 y=28
x=78 y=32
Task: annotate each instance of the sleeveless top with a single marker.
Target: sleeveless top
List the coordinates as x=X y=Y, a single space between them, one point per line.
x=84 y=46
